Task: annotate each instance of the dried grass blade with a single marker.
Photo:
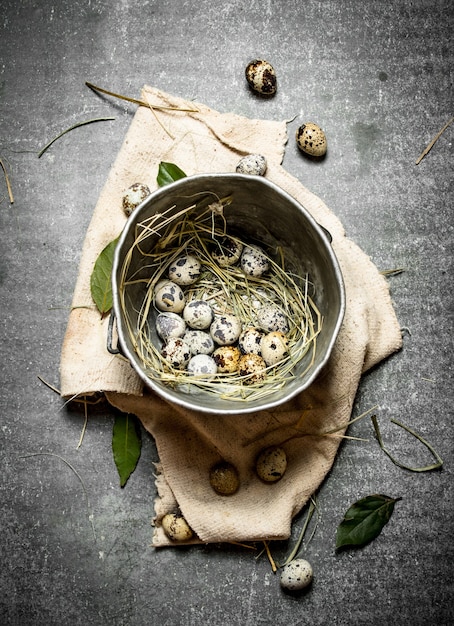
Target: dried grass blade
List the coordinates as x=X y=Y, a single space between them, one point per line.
x=294 y=552
x=8 y=182
x=83 y=123
x=433 y=142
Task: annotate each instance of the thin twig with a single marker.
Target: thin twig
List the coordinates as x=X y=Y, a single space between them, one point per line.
x=8 y=183
x=49 y=385
x=270 y=558
x=83 y=123
x=432 y=143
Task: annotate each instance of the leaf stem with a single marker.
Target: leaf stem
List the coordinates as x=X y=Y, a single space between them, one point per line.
x=83 y=123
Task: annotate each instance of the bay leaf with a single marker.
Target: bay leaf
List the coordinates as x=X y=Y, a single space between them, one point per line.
x=126 y=445
x=168 y=173
x=101 y=278
x=364 y=520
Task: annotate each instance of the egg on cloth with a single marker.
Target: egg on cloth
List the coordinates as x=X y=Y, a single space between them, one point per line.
x=274 y=347
x=296 y=575
x=227 y=359
x=224 y=478
x=271 y=318
x=170 y=325
x=176 y=527
x=261 y=77
x=225 y=329
x=176 y=352
x=271 y=464
x=253 y=367
x=252 y=164
x=169 y=297
x=311 y=139
x=202 y=365
x=250 y=340
x=198 y=314
x=199 y=341
x=133 y=196
x=254 y=261
x=185 y=270
x=227 y=251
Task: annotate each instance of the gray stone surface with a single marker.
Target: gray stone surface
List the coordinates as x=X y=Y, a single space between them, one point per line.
x=377 y=76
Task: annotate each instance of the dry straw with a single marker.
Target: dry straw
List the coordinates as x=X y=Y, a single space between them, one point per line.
x=196 y=229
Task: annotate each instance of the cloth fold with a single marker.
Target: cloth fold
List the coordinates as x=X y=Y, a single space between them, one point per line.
x=201 y=140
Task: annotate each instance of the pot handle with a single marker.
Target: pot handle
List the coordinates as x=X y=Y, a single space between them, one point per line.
x=110 y=347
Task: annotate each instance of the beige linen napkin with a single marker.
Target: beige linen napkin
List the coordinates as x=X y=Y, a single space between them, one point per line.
x=189 y=443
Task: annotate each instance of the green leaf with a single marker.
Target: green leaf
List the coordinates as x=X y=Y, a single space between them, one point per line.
x=168 y=173
x=126 y=445
x=101 y=278
x=365 y=520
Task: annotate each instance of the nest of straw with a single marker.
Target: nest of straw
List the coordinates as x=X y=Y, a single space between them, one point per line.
x=194 y=230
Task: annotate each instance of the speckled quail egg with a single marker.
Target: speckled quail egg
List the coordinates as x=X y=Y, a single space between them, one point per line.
x=250 y=340
x=271 y=318
x=225 y=329
x=170 y=325
x=169 y=297
x=199 y=341
x=185 y=270
x=261 y=77
x=133 y=196
x=227 y=359
x=311 y=139
x=274 y=347
x=176 y=527
x=202 y=364
x=227 y=251
x=252 y=164
x=253 y=367
x=296 y=575
x=254 y=261
x=176 y=352
x=224 y=478
x=271 y=464
x=198 y=314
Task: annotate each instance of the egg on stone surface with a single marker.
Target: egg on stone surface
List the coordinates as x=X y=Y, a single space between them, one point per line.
x=274 y=347
x=252 y=164
x=261 y=77
x=254 y=261
x=271 y=464
x=296 y=575
x=271 y=318
x=253 y=367
x=227 y=359
x=199 y=341
x=176 y=527
x=202 y=364
x=185 y=270
x=250 y=340
x=134 y=195
x=225 y=329
x=311 y=139
x=176 y=352
x=170 y=325
x=198 y=314
x=169 y=297
x=224 y=478
x=227 y=251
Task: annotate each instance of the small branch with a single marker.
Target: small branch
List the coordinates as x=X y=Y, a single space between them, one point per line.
x=432 y=143
x=8 y=183
x=97 y=119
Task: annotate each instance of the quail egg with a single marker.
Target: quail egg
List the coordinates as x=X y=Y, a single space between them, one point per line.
x=271 y=464
x=133 y=196
x=170 y=325
x=252 y=164
x=296 y=575
x=271 y=318
x=176 y=527
x=261 y=77
x=254 y=261
x=311 y=139
x=202 y=364
x=274 y=347
x=199 y=341
x=250 y=340
x=224 y=478
x=198 y=314
x=185 y=270
x=225 y=329
x=176 y=352
x=227 y=251
x=169 y=297
x=253 y=367
x=227 y=359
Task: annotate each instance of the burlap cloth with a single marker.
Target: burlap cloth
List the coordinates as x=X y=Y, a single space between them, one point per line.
x=189 y=443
